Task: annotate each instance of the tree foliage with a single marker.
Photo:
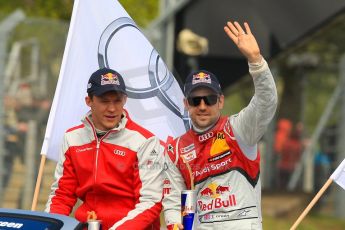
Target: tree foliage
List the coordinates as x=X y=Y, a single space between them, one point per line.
x=47 y=21
x=56 y=9
x=141 y=11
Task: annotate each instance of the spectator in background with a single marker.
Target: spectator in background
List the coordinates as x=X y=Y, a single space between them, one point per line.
x=11 y=138
x=289 y=154
x=26 y=111
x=283 y=132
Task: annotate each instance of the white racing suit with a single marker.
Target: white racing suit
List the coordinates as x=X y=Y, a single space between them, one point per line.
x=225 y=164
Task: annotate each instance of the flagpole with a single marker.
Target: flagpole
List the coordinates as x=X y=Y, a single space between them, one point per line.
x=38 y=182
x=312 y=203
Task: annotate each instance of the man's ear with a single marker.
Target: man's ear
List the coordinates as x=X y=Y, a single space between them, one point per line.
x=221 y=101
x=88 y=101
x=125 y=99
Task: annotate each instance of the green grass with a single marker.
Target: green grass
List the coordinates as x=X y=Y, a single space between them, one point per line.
x=311 y=222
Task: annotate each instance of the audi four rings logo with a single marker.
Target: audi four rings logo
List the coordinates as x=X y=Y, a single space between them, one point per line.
x=205 y=136
x=159 y=85
x=119 y=152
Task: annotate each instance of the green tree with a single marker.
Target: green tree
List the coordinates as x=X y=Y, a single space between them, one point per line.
x=141 y=11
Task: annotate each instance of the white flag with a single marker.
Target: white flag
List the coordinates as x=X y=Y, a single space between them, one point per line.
x=339 y=175
x=102 y=34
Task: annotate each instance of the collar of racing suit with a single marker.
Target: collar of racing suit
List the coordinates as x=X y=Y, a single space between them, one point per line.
x=87 y=121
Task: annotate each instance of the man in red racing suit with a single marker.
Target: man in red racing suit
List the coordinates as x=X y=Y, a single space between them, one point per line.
x=221 y=152
x=109 y=162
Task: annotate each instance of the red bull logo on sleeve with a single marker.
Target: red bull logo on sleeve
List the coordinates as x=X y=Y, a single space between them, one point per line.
x=110 y=79
x=201 y=77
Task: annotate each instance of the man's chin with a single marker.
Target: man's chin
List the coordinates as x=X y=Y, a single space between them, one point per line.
x=110 y=126
x=203 y=124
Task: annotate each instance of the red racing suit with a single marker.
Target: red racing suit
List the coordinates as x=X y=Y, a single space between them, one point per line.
x=119 y=176
x=225 y=164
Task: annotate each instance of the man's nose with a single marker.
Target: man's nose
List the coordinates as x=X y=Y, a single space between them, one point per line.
x=202 y=104
x=112 y=106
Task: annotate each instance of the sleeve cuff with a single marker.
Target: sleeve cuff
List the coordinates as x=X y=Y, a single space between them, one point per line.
x=257 y=68
x=172 y=217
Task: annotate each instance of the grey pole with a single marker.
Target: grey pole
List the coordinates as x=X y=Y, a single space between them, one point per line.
x=340 y=193
x=170 y=38
x=6 y=26
x=30 y=152
x=170 y=12
x=161 y=31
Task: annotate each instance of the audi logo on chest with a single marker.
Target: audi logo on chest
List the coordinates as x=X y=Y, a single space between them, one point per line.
x=119 y=152
x=205 y=136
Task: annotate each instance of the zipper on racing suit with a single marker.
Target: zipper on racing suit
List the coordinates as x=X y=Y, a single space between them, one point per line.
x=96 y=160
x=97 y=152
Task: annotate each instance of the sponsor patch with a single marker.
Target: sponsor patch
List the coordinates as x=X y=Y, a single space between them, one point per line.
x=244 y=213
x=153 y=153
x=206 y=136
x=189 y=156
x=187 y=148
x=201 y=77
x=119 y=152
x=218 y=157
x=110 y=79
x=213 y=167
x=219 y=144
x=83 y=150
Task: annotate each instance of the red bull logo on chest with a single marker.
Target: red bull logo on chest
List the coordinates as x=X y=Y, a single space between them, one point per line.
x=221 y=197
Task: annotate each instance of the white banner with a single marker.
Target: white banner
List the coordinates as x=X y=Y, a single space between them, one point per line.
x=102 y=34
x=339 y=175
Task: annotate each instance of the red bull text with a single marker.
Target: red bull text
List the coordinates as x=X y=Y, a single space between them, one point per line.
x=188 y=209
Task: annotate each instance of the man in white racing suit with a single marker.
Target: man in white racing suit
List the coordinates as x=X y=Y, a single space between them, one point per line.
x=220 y=151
